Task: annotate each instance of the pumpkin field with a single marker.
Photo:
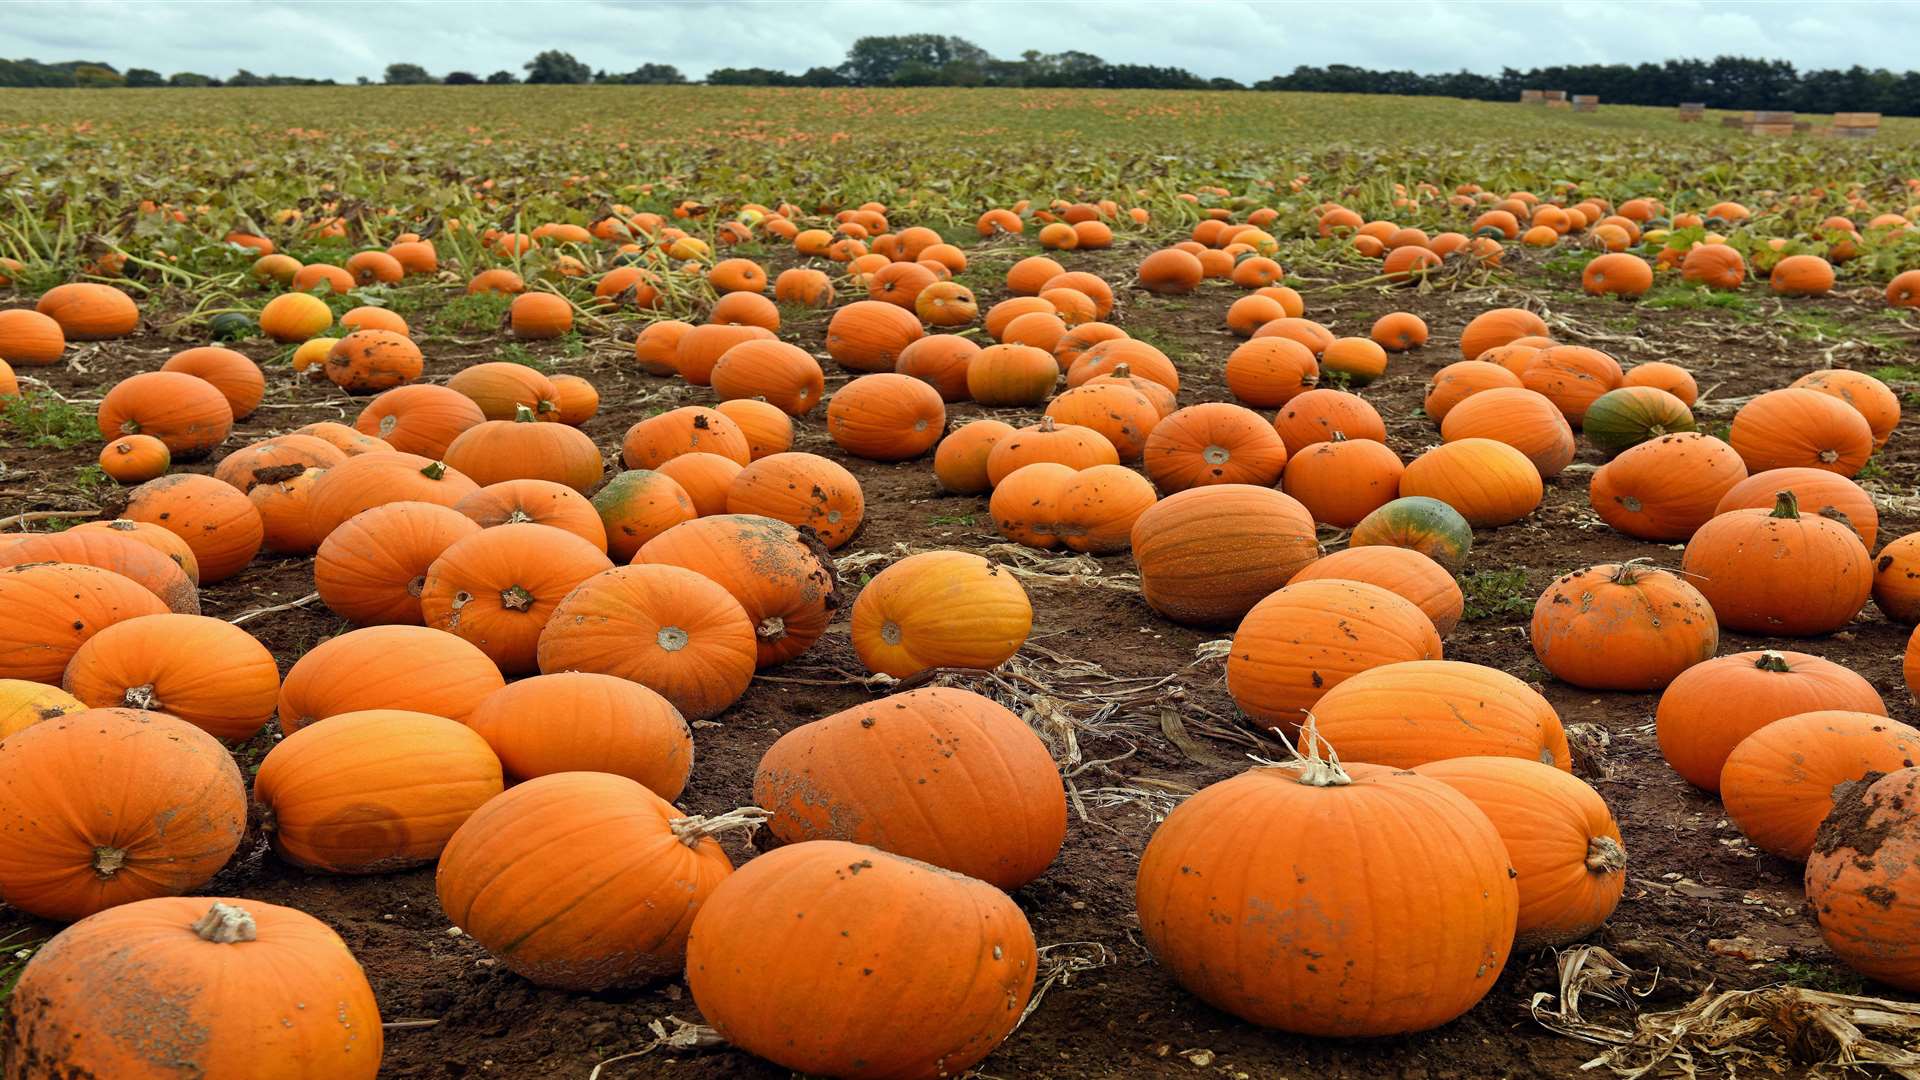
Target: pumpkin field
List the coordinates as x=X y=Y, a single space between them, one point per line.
x=705 y=582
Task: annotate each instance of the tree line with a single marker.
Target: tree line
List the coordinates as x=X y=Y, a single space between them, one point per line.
x=908 y=60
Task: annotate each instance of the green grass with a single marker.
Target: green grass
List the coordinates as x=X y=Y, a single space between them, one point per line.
x=1694 y=298
x=44 y=421
x=1821 y=326
x=15 y=950
x=475 y=313
x=1833 y=980
x=1896 y=373
x=1492 y=594
x=951 y=519
x=515 y=353
x=1874 y=469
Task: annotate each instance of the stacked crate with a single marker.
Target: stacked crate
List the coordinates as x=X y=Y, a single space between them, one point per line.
x=1692 y=112
x=1856 y=125
x=1556 y=99
x=1586 y=103
x=1764 y=122
x=1533 y=97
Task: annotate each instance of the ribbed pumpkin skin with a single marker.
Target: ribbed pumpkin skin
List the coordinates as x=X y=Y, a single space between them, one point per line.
x=1672 y=378
x=665 y=627
x=373 y=792
x=155 y=537
x=1818 y=492
x=961 y=459
x=886 y=417
x=54 y=608
x=1778 y=784
x=1800 y=427
x=638 y=505
x=1713 y=706
x=1622 y=627
x=1573 y=377
x=1342 y=481
x=1268 y=372
x=701 y=347
x=370 y=570
x=30 y=339
x=1859 y=879
x=1868 y=395
x=215 y=519
x=1401 y=571
x=780 y=576
x=498 y=588
x=420 y=419
x=1896 y=579
x=1499 y=326
x=938 y=774
x=580 y=721
x=1666 y=488
x=205 y=671
x=801 y=489
x=1207 y=555
x=542 y=502
x=109 y=806
x=1026 y=503
x=1519 y=417
x=1306 y=639
x=410 y=668
x=1461 y=380
x=89 y=311
x=1420 y=524
x=1213 y=443
x=348 y=441
x=238 y=379
x=841 y=960
x=690 y=429
x=379 y=477
x=186 y=413
x=1627 y=416
x=108 y=550
x=940 y=609
x=1408 y=714
x=1097 y=509
x=1489 y=483
x=271 y=460
x=576 y=881
x=787 y=376
x=1779 y=572
x=1315 y=416
x=24 y=704
x=295 y=992
x=1559 y=834
x=1235 y=907
x=525 y=449
x=868 y=335
x=1123 y=415
x=498 y=387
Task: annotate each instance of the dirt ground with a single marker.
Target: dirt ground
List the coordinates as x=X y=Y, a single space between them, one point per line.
x=1702 y=907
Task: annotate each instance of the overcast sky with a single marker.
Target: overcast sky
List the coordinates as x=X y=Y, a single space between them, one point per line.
x=1241 y=39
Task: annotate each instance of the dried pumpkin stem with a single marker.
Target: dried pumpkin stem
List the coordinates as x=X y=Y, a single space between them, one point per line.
x=1313 y=757
x=1785 y=505
x=516 y=598
x=140 y=697
x=224 y=924
x=107 y=861
x=691 y=830
x=1771 y=661
x=1605 y=855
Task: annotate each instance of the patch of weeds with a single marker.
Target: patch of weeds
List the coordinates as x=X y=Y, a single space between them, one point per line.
x=1176 y=351
x=1819 y=325
x=951 y=519
x=1832 y=980
x=1874 y=469
x=1569 y=262
x=90 y=479
x=1336 y=380
x=1897 y=373
x=515 y=353
x=15 y=950
x=1491 y=594
x=1722 y=430
x=472 y=313
x=45 y=421
x=1693 y=298
x=571 y=344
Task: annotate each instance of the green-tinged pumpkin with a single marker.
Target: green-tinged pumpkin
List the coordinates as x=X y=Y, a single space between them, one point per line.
x=1630 y=415
x=1421 y=524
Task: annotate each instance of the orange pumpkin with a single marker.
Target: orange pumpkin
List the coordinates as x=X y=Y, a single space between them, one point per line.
x=1896 y=579
x=523 y=448
x=187 y=413
x=412 y=668
x=1817 y=491
x=1779 y=572
x=1801 y=427
x=689 y=429
x=887 y=417
x=1307 y=638
x=270 y=460
x=237 y=378
x=1622 y=626
x=1342 y=481
x=1778 y=784
x=941 y=361
x=1314 y=416
x=30 y=339
x=218 y=523
x=143 y=563
x=538 y=316
x=155 y=537
x=801 y=489
x=205 y=671
x=1488 y=482
x=939 y=609
x=135 y=459
x=779 y=574
x=640 y=504
x=420 y=419
x=1213 y=443
x=1857 y=876
x=1672 y=378
x=368 y=361
x=785 y=376
x=541 y=502
x=1402 y=571
x=1572 y=377
x=1409 y=713
x=370 y=569
x=55 y=608
x=87 y=311
x=1459 y=381
x=868 y=335
x=1500 y=326
x=498 y=588
x=585 y=722
x=1711 y=707
x=1271 y=371
x=1208 y=554
x=286 y=526
x=1801 y=275
x=1666 y=488
x=1868 y=395
x=501 y=388
x=960 y=463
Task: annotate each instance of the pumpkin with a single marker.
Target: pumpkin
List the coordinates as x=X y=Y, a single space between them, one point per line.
x=412 y=668
x=938 y=774
x=1858 y=878
x=1401 y=571
x=498 y=587
x=523 y=448
x=1029 y=275
x=498 y=281
x=541 y=502
x=580 y=880
x=1564 y=844
x=1421 y=524
x=657 y=349
x=665 y=627
x=1271 y=371
x=205 y=671
x=419 y=419
x=1096 y=509
x=745 y=309
x=1712 y=706
x=1002 y=315
x=237 y=378
x=187 y=413
x=785 y=376
x=24 y=704
x=87 y=311
x=701 y=347
x=295 y=316
x=1305 y=331
x=704 y=477
x=1627 y=416
x=689 y=429
x=1459 y=381
x=1801 y=275
x=1169 y=272
x=1518 y=417
x=1666 y=488
x=577 y=721
x=1500 y=326
x=1828 y=495
x=1896 y=580
x=1804 y=428
x=55 y=608
x=30 y=339
x=1622 y=626
x=941 y=361
x=1399 y=331
x=143 y=563
x=368 y=361
x=500 y=389
x=1063 y=444
x=271 y=460
x=379 y=478
x=135 y=459
x=372 y=792
x=154 y=536
x=375 y=268
x=1026 y=503
x=215 y=519
x=371 y=568
x=1342 y=481
x=1672 y=378
x=343 y=438
x=640 y=504
x=109 y=806
x=768 y=430
x=1779 y=572
x=1314 y=416
x=1573 y=377
x=960 y=463
x=842 y=991
x=939 y=609
x=537 y=316
x=578 y=402
x=1235 y=908
x=886 y=417
x=1778 y=784
x=780 y=575
x=801 y=489
x=1305 y=639
x=804 y=286
x=1356 y=360
x=1488 y=482
x=1213 y=443
x=1208 y=554
x=1869 y=396
x=1122 y=414
x=1411 y=712
x=868 y=335
x=1011 y=374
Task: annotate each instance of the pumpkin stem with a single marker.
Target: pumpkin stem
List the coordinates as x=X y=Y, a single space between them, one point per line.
x=1046 y=424
x=523 y=415
x=1605 y=855
x=1338 y=436
x=515 y=598
x=1313 y=756
x=1771 y=661
x=123 y=525
x=691 y=830
x=1627 y=572
x=518 y=517
x=1122 y=371
x=435 y=470
x=671 y=638
x=1785 y=505
x=140 y=697
x=224 y=924
x=772 y=629
x=107 y=861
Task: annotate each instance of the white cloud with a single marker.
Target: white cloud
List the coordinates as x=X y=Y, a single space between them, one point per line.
x=1242 y=39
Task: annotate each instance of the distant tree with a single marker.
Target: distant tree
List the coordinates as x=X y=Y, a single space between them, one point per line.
x=753 y=76
x=554 y=66
x=407 y=75
x=461 y=78
x=878 y=61
x=1224 y=84
x=97 y=76
x=191 y=78
x=651 y=75
x=362 y=80
x=144 y=77
x=822 y=76
x=243 y=77
x=501 y=78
